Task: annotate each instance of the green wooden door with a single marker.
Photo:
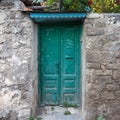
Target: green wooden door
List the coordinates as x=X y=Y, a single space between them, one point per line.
x=59 y=64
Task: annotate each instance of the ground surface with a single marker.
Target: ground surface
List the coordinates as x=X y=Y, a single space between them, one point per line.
x=57 y=113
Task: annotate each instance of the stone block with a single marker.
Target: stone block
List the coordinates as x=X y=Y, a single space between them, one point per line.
x=104 y=72
x=113 y=46
x=117 y=94
x=89 y=21
x=105 y=57
x=4 y=113
x=92 y=56
x=95 y=56
x=113 y=66
x=112 y=37
x=112 y=57
x=2 y=17
x=3 y=67
x=1 y=29
x=100 y=24
x=108 y=95
x=97 y=43
x=95 y=66
x=113 y=108
x=112 y=87
x=2 y=39
x=99 y=86
x=95 y=32
x=116 y=74
x=93 y=95
x=90 y=76
x=94 y=16
x=102 y=108
x=24 y=114
x=16 y=15
x=13 y=115
x=116 y=117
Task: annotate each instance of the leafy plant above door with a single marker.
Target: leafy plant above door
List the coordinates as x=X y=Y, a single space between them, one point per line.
x=60 y=5
x=97 y=6
x=74 y=5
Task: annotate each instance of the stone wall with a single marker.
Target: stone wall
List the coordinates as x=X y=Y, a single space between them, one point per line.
x=102 y=52
x=18 y=64
x=15 y=62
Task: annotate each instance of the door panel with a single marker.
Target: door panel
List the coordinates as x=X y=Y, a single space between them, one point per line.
x=50 y=61
x=60 y=64
x=69 y=76
x=68 y=50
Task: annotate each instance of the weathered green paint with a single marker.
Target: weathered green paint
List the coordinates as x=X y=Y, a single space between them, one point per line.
x=59 y=63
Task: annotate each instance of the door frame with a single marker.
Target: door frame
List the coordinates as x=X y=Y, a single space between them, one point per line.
x=39 y=59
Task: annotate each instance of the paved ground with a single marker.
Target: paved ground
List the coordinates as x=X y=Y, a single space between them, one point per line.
x=57 y=113
x=61 y=117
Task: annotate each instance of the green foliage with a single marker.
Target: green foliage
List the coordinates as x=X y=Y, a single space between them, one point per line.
x=31 y=118
x=67 y=112
x=66 y=105
x=67 y=5
x=105 y=6
x=73 y=5
x=97 y=6
x=38 y=118
x=52 y=108
x=50 y=2
x=100 y=118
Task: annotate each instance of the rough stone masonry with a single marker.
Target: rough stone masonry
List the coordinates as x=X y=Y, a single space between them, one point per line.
x=101 y=52
x=15 y=62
